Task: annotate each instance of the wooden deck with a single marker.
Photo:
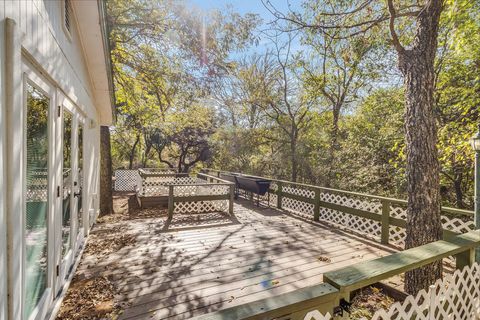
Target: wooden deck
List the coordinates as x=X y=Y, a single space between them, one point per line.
x=197 y=264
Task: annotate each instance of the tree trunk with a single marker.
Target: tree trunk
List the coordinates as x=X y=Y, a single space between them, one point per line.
x=132 y=153
x=293 y=151
x=148 y=148
x=423 y=173
x=331 y=174
x=106 y=197
x=457 y=184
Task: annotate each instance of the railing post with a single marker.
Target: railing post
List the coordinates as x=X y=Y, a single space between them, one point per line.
x=232 y=195
x=385 y=221
x=170 y=201
x=316 y=208
x=465 y=258
x=432 y=292
x=279 y=194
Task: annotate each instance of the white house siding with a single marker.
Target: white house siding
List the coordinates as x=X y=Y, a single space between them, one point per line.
x=43 y=46
x=3 y=218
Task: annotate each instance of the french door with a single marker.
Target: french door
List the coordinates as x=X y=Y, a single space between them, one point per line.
x=70 y=217
x=40 y=205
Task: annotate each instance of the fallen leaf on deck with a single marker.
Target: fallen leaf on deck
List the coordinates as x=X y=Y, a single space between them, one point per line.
x=324 y=259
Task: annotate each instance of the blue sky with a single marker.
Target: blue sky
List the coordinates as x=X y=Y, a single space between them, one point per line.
x=242 y=6
x=250 y=6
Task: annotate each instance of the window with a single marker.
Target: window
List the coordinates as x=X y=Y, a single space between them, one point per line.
x=36 y=198
x=67 y=17
x=80 y=175
x=67 y=181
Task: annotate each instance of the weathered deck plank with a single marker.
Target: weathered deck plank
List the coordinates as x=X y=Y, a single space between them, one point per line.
x=181 y=269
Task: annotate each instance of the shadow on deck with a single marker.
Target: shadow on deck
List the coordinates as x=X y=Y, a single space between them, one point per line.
x=195 y=264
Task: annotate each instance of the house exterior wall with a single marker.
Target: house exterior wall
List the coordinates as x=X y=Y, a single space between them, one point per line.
x=34 y=45
x=3 y=172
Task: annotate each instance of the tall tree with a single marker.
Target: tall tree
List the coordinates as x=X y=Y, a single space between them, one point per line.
x=166 y=60
x=423 y=173
x=271 y=91
x=420 y=23
x=335 y=71
x=106 y=188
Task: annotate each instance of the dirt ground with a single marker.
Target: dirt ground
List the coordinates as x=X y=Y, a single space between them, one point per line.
x=368 y=301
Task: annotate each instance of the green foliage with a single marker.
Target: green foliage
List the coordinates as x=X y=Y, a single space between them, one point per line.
x=331 y=114
x=166 y=60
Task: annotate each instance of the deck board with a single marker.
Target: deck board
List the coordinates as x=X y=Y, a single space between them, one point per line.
x=192 y=266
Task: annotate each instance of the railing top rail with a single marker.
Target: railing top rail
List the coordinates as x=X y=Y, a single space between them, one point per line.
x=149 y=174
x=454 y=211
x=196 y=184
x=159 y=169
x=215 y=178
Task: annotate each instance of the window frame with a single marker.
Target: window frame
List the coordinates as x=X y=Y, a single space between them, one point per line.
x=32 y=77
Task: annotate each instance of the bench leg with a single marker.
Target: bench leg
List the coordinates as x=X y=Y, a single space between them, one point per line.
x=466 y=258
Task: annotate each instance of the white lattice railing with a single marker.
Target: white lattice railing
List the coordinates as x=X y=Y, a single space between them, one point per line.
x=207 y=194
x=183 y=193
x=126 y=180
x=455 y=297
x=158 y=186
x=379 y=218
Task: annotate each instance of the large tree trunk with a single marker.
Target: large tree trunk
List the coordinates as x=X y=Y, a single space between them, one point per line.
x=457 y=184
x=331 y=174
x=106 y=196
x=423 y=212
x=293 y=154
x=132 y=153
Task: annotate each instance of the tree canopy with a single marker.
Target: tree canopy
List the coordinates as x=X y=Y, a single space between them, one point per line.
x=310 y=103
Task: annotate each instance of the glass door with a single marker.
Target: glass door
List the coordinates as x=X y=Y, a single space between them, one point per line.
x=69 y=230
x=66 y=229
x=78 y=183
x=38 y=253
x=37 y=198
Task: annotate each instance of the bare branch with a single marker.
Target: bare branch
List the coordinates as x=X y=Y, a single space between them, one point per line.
x=396 y=42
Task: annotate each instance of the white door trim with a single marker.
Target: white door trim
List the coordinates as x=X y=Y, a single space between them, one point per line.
x=33 y=77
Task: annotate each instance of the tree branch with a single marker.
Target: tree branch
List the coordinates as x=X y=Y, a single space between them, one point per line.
x=396 y=42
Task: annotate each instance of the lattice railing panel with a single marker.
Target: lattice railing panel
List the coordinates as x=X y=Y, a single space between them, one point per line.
x=369 y=228
x=292 y=189
x=299 y=207
x=126 y=180
x=316 y=315
x=365 y=226
x=201 y=206
x=153 y=186
x=191 y=190
x=370 y=205
x=397 y=234
x=457 y=225
x=455 y=297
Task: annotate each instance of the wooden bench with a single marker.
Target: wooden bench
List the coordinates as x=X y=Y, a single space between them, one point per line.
x=296 y=304
x=363 y=274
